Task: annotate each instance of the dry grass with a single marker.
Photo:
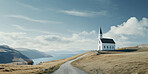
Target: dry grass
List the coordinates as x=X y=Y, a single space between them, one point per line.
x=125 y=50
x=136 y=47
x=120 y=63
x=42 y=68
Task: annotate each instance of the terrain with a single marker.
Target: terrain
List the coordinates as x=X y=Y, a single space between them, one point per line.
x=44 y=67
x=11 y=56
x=32 y=54
x=67 y=68
x=129 y=60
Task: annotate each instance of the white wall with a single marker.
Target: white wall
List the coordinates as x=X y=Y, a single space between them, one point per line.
x=110 y=46
x=99 y=45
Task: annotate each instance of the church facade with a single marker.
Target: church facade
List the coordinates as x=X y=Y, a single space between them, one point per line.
x=105 y=43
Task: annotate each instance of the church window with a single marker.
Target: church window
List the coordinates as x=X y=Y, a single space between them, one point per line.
x=104 y=46
x=110 y=46
x=107 y=46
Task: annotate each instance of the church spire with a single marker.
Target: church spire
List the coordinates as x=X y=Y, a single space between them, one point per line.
x=100 y=33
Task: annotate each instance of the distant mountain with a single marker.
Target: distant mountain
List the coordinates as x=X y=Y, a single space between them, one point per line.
x=67 y=52
x=32 y=53
x=10 y=55
x=143 y=46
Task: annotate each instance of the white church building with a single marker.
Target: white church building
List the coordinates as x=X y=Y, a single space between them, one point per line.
x=105 y=43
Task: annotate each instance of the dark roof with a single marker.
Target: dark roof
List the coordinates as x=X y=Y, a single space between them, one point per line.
x=106 y=40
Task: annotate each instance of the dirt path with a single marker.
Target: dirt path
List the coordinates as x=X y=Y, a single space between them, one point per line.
x=67 y=68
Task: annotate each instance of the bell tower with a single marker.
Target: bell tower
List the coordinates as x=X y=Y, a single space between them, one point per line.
x=100 y=34
x=99 y=39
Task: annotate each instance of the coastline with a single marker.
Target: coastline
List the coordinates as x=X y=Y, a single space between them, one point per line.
x=44 y=67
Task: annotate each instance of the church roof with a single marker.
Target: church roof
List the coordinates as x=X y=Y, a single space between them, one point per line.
x=100 y=31
x=106 y=40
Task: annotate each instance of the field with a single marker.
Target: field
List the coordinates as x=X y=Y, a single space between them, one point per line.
x=115 y=62
x=45 y=67
x=124 y=60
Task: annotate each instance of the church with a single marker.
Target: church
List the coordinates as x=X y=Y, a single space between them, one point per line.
x=105 y=43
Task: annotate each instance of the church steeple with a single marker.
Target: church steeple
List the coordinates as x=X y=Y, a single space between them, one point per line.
x=100 y=33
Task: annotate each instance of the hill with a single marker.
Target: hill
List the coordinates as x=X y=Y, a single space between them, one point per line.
x=121 y=61
x=42 y=68
x=32 y=53
x=143 y=46
x=10 y=55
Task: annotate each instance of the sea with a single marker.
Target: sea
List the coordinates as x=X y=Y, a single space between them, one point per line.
x=54 y=57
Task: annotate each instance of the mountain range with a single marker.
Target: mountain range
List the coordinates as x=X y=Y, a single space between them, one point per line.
x=10 y=55
x=32 y=54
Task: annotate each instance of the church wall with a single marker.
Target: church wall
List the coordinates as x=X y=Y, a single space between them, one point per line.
x=104 y=46
x=108 y=46
x=99 y=45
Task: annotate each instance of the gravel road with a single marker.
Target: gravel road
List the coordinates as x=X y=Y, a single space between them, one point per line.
x=67 y=68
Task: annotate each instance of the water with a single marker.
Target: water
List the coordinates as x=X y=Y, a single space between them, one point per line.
x=55 y=57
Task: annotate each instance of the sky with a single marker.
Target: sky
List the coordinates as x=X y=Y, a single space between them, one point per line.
x=68 y=25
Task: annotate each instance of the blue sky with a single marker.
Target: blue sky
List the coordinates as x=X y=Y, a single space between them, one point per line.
x=72 y=24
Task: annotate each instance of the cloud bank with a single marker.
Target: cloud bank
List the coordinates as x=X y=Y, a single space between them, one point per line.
x=129 y=33
x=78 y=41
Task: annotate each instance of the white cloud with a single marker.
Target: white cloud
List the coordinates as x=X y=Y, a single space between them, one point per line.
x=20 y=27
x=88 y=33
x=80 y=13
x=33 y=20
x=77 y=41
x=83 y=13
x=31 y=30
x=131 y=32
x=28 y=6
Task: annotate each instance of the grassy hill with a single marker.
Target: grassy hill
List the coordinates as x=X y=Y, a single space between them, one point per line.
x=11 y=56
x=42 y=68
x=124 y=60
x=32 y=54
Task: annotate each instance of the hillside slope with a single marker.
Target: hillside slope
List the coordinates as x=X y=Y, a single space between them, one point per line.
x=42 y=68
x=119 y=63
x=10 y=55
x=32 y=54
